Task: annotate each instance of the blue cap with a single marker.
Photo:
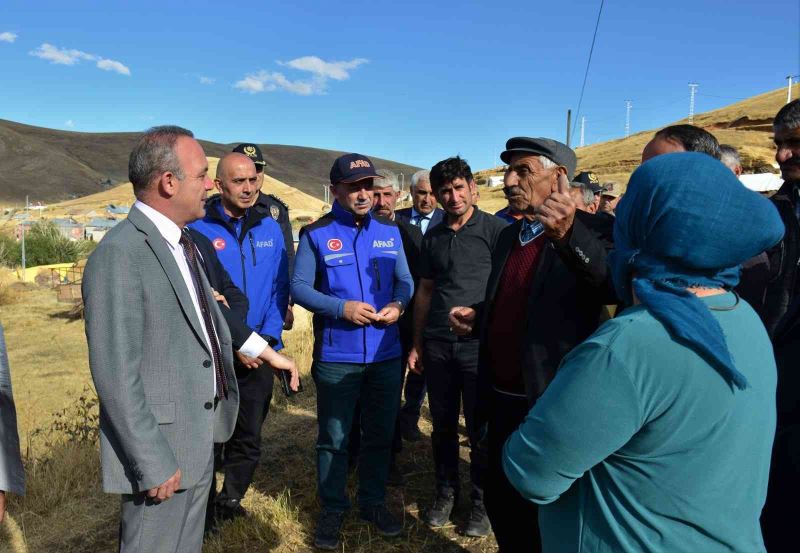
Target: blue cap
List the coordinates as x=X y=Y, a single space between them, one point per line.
x=352 y=168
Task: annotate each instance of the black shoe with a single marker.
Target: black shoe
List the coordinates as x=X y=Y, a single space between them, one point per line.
x=326 y=534
x=395 y=478
x=383 y=520
x=411 y=433
x=478 y=525
x=229 y=509
x=439 y=514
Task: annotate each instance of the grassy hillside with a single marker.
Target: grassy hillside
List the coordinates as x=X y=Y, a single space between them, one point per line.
x=51 y=165
x=747 y=125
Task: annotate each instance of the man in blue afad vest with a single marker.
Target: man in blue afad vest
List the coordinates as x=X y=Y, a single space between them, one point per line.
x=351 y=272
x=250 y=246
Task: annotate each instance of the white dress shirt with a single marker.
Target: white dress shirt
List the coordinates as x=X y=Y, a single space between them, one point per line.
x=254 y=344
x=424 y=220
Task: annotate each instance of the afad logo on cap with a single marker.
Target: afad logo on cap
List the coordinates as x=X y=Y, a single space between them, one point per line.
x=218 y=243
x=334 y=244
x=362 y=163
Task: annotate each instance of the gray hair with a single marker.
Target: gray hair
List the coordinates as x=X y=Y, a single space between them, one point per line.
x=154 y=155
x=788 y=118
x=729 y=156
x=422 y=175
x=390 y=178
x=588 y=195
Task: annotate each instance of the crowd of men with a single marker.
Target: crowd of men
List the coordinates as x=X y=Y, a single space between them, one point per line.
x=187 y=299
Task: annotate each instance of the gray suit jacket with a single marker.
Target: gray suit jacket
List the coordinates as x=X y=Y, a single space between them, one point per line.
x=12 y=477
x=150 y=363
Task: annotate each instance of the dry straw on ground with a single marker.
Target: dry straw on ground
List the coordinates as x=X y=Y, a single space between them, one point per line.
x=66 y=511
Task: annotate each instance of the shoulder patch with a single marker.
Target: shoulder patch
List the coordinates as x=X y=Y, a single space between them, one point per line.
x=277 y=199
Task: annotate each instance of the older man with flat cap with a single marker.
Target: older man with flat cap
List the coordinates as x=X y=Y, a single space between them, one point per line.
x=555 y=257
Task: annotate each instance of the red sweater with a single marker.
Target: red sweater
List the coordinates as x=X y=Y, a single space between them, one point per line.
x=509 y=316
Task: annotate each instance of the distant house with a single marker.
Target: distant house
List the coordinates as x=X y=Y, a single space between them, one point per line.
x=97 y=228
x=69 y=227
x=118 y=209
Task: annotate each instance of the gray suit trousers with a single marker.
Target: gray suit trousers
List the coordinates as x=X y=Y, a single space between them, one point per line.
x=172 y=526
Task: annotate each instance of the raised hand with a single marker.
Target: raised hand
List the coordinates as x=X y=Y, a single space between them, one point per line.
x=557 y=213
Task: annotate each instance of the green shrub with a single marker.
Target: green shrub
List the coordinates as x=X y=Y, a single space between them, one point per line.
x=45 y=245
x=10 y=253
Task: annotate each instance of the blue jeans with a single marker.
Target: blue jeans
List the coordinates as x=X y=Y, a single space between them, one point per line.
x=340 y=386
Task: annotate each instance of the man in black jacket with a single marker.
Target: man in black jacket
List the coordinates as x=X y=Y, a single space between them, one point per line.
x=545 y=295
x=779 y=307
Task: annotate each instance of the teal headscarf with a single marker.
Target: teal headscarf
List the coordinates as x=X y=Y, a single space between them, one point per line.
x=686 y=220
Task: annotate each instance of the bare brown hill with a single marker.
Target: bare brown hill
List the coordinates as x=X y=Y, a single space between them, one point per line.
x=51 y=165
x=747 y=125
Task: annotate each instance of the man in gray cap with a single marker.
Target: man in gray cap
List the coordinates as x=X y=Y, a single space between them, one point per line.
x=556 y=259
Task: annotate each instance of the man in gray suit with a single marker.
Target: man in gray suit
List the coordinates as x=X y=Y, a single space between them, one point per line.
x=12 y=477
x=159 y=351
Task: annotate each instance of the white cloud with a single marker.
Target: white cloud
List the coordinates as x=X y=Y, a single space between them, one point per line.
x=69 y=123
x=8 y=36
x=207 y=80
x=337 y=70
x=64 y=56
x=321 y=71
x=113 y=65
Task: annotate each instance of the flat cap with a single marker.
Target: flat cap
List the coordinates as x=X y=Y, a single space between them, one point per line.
x=555 y=151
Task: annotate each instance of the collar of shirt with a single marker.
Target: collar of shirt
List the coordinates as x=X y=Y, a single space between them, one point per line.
x=167 y=228
x=530 y=231
x=420 y=216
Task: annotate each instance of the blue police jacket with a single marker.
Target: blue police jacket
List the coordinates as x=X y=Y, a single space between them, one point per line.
x=338 y=261
x=252 y=250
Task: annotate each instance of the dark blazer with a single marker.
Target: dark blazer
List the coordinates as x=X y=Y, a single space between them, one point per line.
x=405 y=215
x=220 y=280
x=565 y=301
x=412 y=247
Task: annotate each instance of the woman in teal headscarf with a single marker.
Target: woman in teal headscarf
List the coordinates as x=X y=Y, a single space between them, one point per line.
x=656 y=433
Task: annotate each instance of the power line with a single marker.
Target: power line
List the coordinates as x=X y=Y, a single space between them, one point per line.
x=589 y=62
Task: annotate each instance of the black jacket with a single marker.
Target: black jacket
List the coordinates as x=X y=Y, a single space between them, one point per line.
x=412 y=247
x=565 y=302
x=221 y=281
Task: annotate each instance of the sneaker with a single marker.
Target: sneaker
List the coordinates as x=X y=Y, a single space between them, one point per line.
x=229 y=509
x=395 y=478
x=326 y=534
x=383 y=520
x=439 y=514
x=411 y=433
x=478 y=525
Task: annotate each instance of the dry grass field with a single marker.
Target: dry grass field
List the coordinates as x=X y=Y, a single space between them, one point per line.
x=65 y=509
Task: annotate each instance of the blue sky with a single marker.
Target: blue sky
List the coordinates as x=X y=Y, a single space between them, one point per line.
x=411 y=81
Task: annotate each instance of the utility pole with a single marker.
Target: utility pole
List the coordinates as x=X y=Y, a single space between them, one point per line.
x=583 y=128
x=569 y=125
x=789 y=88
x=692 y=92
x=23 y=237
x=628 y=106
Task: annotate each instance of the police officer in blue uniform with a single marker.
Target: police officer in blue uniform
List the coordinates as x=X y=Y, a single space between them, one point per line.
x=352 y=273
x=250 y=246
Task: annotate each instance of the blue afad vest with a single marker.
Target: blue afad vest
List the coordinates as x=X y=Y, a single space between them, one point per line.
x=355 y=263
x=253 y=252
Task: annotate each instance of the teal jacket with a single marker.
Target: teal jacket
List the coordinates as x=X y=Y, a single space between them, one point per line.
x=639 y=445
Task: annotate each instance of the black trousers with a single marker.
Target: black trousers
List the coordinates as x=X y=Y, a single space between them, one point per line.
x=240 y=455
x=514 y=519
x=451 y=374
x=415 y=396
x=779 y=517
